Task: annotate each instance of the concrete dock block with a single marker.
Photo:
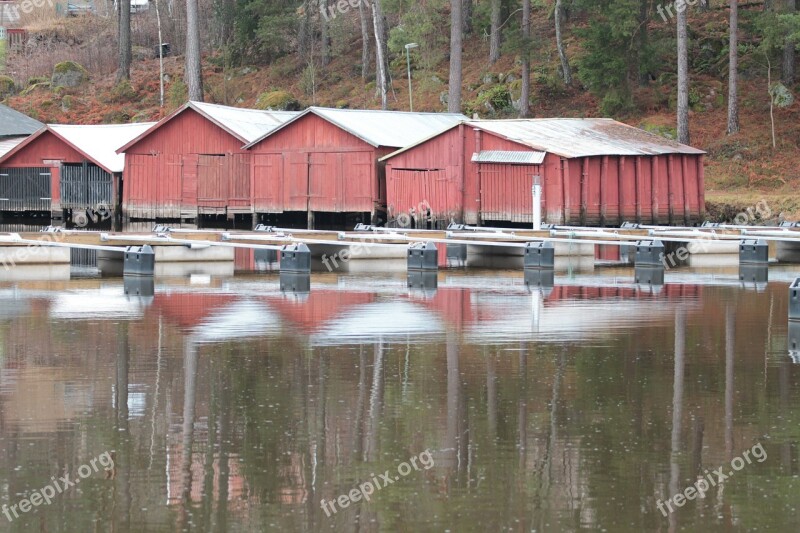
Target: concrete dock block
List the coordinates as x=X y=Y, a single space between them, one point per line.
x=649 y=253
x=296 y=258
x=539 y=255
x=794 y=300
x=753 y=251
x=139 y=261
x=423 y=256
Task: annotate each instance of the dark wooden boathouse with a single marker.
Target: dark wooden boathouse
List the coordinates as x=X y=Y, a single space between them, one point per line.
x=593 y=172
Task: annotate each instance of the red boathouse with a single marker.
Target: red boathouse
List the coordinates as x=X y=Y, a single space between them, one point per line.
x=322 y=169
x=192 y=162
x=593 y=172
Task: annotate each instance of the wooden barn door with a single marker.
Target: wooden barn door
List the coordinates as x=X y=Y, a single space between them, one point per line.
x=323 y=182
x=356 y=192
x=189 y=185
x=506 y=192
x=238 y=174
x=268 y=183
x=295 y=174
x=212 y=183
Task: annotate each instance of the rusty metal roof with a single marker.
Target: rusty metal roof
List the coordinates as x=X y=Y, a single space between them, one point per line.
x=514 y=158
x=390 y=129
x=576 y=137
x=13 y=123
x=573 y=137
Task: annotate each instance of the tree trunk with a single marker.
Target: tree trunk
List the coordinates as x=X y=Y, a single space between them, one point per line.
x=456 y=45
x=683 y=78
x=124 y=70
x=362 y=12
x=194 y=75
x=644 y=17
x=303 y=38
x=566 y=71
x=325 y=34
x=733 y=73
x=468 y=9
x=524 y=107
x=789 y=50
x=381 y=53
x=495 y=36
x=160 y=55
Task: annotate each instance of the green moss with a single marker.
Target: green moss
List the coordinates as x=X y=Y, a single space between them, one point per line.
x=36 y=80
x=494 y=100
x=69 y=74
x=667 y=132
x=278 y=100
x=123 y=92
x=68 y=66
x=34 y=87
x=7 y=87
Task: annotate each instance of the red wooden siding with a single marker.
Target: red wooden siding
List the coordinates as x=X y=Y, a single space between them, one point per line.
x=152 y=186
x=506 y=191
x=601 y=190
x=46 y=147
x=188 y=166
x=223 y=182
x=314 y=165
x=267 y=183
x=429 y=175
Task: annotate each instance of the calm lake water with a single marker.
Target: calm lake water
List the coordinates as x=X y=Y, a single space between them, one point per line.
x=231 y=406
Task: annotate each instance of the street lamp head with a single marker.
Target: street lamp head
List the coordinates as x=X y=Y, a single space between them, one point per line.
x=409 y=46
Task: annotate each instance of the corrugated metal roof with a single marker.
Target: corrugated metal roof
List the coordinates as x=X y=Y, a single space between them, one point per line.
x=518 y=158
x=9 y=143
x=576 y=137
x=246 y=124
x=391 y=129
x=14 y=123
x=99 y=143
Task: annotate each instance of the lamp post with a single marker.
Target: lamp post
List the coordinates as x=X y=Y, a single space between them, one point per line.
x=409 y=46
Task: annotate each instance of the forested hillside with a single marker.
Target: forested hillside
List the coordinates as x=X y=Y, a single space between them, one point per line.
x=663 y=66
